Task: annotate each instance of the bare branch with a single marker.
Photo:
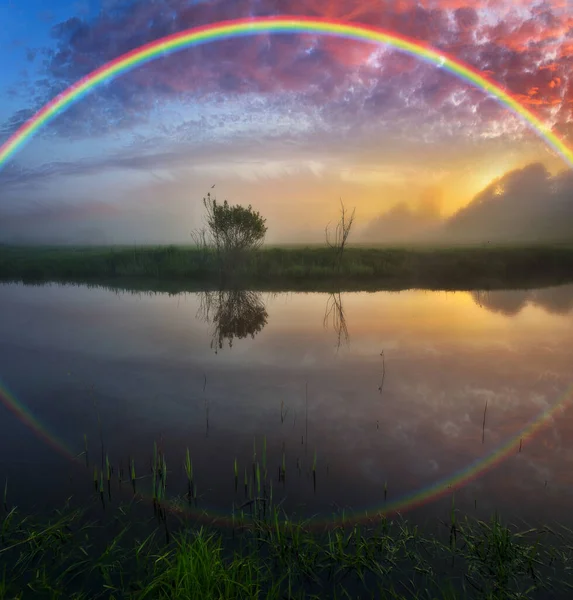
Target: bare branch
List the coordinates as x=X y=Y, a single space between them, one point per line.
x=342 y=232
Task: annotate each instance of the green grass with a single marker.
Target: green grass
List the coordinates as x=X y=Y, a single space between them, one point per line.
x=308 y=268
x=265 y=553
x=66 y=555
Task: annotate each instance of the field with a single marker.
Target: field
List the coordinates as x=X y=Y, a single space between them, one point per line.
x=309 y=268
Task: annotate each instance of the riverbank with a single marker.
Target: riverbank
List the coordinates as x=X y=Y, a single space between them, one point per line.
x=178 y=268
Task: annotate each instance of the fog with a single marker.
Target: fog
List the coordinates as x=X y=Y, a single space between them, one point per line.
x=527 y=204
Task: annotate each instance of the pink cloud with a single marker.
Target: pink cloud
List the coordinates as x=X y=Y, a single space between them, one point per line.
x=515 y=53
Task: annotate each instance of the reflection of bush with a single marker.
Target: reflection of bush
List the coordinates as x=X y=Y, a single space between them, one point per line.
x=234 y=313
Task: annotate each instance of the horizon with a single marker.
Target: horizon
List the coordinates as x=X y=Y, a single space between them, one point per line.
x=287 y=123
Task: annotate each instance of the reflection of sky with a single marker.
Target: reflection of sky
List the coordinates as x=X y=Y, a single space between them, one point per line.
x=445 y=356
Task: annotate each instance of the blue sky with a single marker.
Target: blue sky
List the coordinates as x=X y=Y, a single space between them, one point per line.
x=286 y=123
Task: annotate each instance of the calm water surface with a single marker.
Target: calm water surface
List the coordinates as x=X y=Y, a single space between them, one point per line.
x=386 y=388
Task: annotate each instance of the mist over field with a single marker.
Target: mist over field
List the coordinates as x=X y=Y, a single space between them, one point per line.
x=522 y=206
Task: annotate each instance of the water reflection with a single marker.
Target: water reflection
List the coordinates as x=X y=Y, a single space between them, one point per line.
x=443 y=360
x=334 y=314
x=555 y=300
x=237 y=314
x=233 y=314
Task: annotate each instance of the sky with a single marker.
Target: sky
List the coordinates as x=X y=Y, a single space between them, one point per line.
x=288 y=123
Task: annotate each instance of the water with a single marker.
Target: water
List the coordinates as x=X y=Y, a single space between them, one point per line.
x=305 y=371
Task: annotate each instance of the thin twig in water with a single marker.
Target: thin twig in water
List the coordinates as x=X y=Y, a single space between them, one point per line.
x=383 y=372
x=483 y=426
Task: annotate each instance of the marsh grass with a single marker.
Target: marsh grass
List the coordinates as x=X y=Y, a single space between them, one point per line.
x=271 y=554
x=177 y=267
x=67 y=555
x=265 y=552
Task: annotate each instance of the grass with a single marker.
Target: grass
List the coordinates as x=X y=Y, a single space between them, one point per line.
x=265 y=553
x=66 y=555
x=179 y=268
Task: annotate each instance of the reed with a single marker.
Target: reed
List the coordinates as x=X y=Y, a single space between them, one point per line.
x=132 y=473
x=265 y=456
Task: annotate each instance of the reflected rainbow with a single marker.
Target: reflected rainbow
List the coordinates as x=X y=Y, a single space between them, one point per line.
x=9 y=400
x=406 y=502
x=301 y=25
x=427 y=494
x=268 y=25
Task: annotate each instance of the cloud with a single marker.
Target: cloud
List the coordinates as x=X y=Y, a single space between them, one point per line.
x=524 y=46
x=403 y=223
x=18 y=176
x=62 y=212
x=524 y=205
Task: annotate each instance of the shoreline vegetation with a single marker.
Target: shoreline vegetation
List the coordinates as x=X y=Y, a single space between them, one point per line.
x=294 y=268
x=68 y=554
x=151 y=543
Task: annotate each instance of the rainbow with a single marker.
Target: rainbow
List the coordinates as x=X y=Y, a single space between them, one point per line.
x=304 y=25
x=276 y=24
x=8 y=399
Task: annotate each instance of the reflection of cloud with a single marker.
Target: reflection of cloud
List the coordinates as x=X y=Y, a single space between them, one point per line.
x=371 y=471
x=504 y=399
x=165 y=343
x=450 y=429
x=507 y=302
x=555 y=300
x=431 y=350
